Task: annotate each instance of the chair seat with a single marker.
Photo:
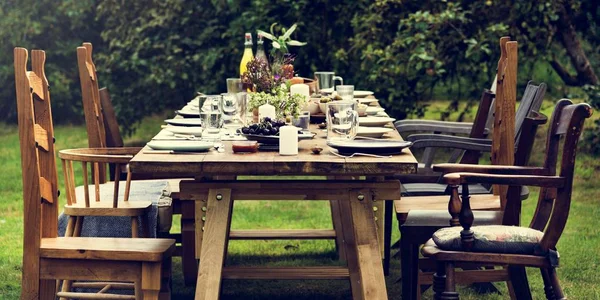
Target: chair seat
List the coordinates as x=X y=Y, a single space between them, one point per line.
x=491 y=238
x=421 y=224
x=478 y=202
x=105 y=208
x=433 y=189
x=139 y=249
x=430 y=249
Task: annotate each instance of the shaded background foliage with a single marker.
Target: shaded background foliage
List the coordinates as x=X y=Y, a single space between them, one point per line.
x=155 y=54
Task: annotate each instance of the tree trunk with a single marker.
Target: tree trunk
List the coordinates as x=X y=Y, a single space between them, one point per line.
x=569 y=39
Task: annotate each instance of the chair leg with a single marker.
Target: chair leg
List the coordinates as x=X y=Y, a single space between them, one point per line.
x=387 y=236
x=439 y=280
x=74 y=226
x=151 y=280
x=548 y=289
x=450 y=286
x=556 y=285
x=518 y=285
x=165 y=286
x=134 y=227
x=409 y=265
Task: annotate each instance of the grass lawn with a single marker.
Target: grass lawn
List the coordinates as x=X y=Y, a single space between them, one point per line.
x=578 y=247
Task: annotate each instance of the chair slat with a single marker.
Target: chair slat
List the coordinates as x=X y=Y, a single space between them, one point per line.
x=85 y=183
x=97 y=180
x=72 y=181
x=67 y=182
x=116 y=185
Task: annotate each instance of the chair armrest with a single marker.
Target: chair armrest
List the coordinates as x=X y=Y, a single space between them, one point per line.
x=489 y=169
x=444 y=137
x=451 y=144
x=434 y=128
x=514 y=180
x=121 y=155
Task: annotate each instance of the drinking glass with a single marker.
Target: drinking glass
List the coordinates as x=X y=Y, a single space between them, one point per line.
x=230 y=108
x=302 y=121
x=235 y=87
x=211 y=116
x=326 y=80
x=342 y=121
x=346 y=92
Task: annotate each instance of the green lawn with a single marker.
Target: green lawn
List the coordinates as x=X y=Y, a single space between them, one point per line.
x=578 y=248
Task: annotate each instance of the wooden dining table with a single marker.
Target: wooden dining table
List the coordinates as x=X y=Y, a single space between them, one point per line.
x=359 y=184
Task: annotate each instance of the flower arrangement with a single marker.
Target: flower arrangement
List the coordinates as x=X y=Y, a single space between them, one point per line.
x=270 y=84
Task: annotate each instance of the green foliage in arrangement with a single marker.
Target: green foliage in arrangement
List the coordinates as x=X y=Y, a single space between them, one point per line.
x=156 y=54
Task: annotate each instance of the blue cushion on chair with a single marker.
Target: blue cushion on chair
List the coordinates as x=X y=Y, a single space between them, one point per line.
x=491 y=238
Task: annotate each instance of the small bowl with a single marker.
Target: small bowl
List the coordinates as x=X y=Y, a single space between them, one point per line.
x=244 y=146
x=323 y=107
x=316 y=150
x=312 y=107
x=362 y=110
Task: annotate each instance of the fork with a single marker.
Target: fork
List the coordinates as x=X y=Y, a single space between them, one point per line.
x=361 y=154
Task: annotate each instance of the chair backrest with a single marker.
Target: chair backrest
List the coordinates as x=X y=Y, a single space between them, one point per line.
x=92 y=106
x=113 y=134
x=38 y=163
x=553 y=203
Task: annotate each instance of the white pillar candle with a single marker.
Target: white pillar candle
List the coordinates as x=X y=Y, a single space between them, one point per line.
x=301 y=89
x=266 y=110
x=288 y=140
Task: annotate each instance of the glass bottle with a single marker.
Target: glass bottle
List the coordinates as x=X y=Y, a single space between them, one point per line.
x=248 y=55
x=260 y=49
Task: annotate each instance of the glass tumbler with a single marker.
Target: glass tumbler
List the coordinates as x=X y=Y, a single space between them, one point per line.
x=346 y=92
x=342 y=121
x=211 y=116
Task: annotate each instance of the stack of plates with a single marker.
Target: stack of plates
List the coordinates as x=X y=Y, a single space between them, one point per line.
x=373 y=132
x=374 y=121
x=184 y=122
x=181 y=145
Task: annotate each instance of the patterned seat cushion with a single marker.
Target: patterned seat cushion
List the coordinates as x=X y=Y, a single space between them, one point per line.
x=491 y=238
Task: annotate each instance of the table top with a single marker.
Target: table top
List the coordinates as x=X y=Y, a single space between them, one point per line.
x=268 y=163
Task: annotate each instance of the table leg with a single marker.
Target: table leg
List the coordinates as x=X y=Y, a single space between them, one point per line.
x=336 y=218
x=364 y=255
x=188 y=243
x=216 y=235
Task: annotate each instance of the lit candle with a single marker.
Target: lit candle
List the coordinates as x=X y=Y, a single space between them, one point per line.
x=266 y=110
x=288 y=140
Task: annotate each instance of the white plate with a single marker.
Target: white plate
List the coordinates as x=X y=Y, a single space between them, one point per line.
x=181 y=145
x=374 y=110
x=362 y=94
x=374 y=121
x=357 y=94
x=367 y=101
x=188 y=113
x=374 y=132
x=194 y=130
x=184 y=122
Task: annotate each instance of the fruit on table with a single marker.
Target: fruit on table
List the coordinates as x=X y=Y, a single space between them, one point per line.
x=296 y=80
x=266 y=127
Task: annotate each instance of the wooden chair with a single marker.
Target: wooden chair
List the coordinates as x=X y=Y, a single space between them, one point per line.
x=534 y=246
x=427 y=214
x=46 y=257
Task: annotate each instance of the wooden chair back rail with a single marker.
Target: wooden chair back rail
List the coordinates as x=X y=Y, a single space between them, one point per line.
x=33 y=107
x=504 y=115
x=472 y=157
x=92 y=107
x=555 y=195
x=113 y=134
